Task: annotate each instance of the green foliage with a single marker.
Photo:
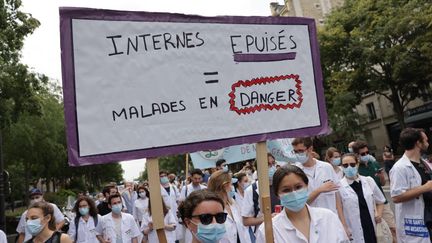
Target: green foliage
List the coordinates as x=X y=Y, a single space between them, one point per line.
x=18 y=86
x=382 y=47
x=172 y=164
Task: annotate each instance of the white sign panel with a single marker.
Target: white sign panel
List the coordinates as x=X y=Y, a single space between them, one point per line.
x=148 y=84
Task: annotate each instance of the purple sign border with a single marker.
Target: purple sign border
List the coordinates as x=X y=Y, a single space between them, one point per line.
x=66 y=42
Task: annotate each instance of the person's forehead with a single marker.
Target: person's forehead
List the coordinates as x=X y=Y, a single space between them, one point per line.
x=162 y=174
x=290 y=180
x=115 y=200
x=83 y=203
x=196 y=176
x=211 y=207
x=364 y=149
x=299 y=146
x=348 y=159
x=34 y=212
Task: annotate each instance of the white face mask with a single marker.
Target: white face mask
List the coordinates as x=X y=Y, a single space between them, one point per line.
x=39 y=199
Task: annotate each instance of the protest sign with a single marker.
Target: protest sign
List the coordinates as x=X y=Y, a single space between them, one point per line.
x=279 y=148
x=140 y=84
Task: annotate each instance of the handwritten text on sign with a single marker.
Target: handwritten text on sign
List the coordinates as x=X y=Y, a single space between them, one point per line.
x=147 y=84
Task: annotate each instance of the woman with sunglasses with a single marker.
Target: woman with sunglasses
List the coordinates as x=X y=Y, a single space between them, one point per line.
x=203 y=214
x=298 y=222
x=362 y=200
x=40 y=223
x=333 y=157
x=221 y=184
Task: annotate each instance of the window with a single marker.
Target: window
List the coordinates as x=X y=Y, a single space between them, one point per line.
x=371 y=111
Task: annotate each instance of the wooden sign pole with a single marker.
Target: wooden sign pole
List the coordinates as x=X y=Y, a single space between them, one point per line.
x=264 y=189
x=187 y=167
x=156 y=199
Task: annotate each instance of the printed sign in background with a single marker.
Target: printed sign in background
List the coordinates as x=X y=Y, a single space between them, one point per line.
x=140 y=84
x=281 y=149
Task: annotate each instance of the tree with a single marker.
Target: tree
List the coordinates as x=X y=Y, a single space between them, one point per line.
x=172 y=164
x=18 y=86
x=383 y=47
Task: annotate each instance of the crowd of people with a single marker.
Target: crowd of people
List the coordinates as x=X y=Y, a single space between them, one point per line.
x=337 y=199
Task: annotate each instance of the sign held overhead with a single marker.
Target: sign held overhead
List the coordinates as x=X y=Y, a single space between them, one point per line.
x=139 y=84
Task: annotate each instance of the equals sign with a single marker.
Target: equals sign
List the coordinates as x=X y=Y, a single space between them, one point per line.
x=212 y=81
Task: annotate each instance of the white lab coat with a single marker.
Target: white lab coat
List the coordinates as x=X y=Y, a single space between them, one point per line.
x=403 y=177
x=171 y=200
x=129 y=228
x=140 y=207
x=86 y=230
x=322 y=173
x=183 y=195
x=152 y=236
x=325 y=226
x=234 y=226
x=372 y=195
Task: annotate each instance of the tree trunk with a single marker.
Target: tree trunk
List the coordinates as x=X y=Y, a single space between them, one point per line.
x=397 y=107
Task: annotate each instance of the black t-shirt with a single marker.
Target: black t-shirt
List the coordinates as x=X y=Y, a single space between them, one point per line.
x=103 y=208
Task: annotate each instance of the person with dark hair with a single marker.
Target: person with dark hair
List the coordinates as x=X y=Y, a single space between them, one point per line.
x=82 y=228
x=363 y=201
x=324 y=183
x=196 y=179
x=203 y=214
x=411 y=189
x=171 y=196
x=40 y=223
x=298 y=222
x=333 y=157
x=103 y=207
x=169 y=221
x=117 y=226
x=388 y=159
x=221 y=164
x=36 y=195
x=370 y=167
x=141 y=204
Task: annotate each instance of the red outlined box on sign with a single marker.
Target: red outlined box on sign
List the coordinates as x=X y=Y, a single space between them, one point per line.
x=266 y=93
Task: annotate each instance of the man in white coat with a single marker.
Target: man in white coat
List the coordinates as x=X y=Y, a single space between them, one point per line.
x=117 y=227
x=408 y=187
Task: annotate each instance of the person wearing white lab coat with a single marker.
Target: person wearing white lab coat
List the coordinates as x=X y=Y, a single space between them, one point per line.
x=196 y=178
x=355 y=191
x=407 y=189
x=86 y=219
x=298 y=222
x=221 y=184
x=323 y=181
x=169 y=221
x=171 y=196
x=117 y=226
x=333 y=157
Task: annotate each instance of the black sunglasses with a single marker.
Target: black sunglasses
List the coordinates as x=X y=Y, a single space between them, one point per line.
x=350 y=164
x=364 y=153
x=207 y=218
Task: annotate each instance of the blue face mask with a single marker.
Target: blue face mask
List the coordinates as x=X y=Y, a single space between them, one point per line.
x=271 y=172
x=246 y=185
x=302 y=157
x=364 y=158
x=296 y=200
x=225 y=168
x=117 y=208
x=336 y=161
x=34 y=226
x=164 y=180
x=83 y=211
x=210 y=233
x=350 y=172
x=350 y=150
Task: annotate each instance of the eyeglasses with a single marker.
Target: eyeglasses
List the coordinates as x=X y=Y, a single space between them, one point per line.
x=364 y=153
x=350 y=164
x=207 y=218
